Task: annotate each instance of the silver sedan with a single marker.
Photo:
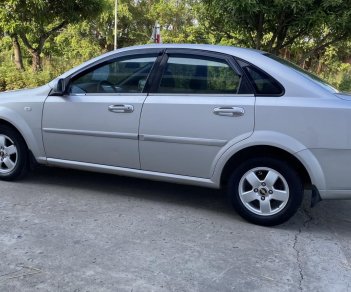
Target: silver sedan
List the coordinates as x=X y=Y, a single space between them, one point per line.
x=205 y=115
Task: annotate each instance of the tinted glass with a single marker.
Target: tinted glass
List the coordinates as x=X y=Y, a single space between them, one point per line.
x=125 y=75
x=185 y=74
x=262 y=82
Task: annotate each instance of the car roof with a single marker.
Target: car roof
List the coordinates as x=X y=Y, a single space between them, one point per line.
x=231 y=50
x=204 y=47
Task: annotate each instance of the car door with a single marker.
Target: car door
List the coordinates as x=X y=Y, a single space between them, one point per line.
x=98 y=120
x=199 y=104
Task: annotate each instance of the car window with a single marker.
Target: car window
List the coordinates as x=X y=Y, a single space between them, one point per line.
x=262 y=82
x=125 y=75
x=188 y=74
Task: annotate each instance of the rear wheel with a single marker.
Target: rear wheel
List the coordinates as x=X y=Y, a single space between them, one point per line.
x=13 y=154
x=265 y=191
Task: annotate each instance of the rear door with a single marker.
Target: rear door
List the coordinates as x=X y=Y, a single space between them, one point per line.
x=198 y=104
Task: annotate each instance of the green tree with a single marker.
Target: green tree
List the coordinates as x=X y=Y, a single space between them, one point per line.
x=35 y=21
x=134 y=25
x=272 y=25
x=136 y=20
x=74 y=45
x=178 y=20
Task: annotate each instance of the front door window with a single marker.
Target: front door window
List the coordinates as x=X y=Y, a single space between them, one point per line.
x=125 y=75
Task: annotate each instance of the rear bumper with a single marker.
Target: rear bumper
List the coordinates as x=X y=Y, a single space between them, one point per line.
x=335 y=194
x=330 y=171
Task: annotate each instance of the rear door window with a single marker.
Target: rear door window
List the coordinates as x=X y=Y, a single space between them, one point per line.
x=198 y=75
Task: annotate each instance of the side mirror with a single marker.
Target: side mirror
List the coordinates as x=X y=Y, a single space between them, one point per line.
x=60 y=88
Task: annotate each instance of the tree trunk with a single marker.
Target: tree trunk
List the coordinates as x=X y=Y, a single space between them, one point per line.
x=35 y=52
x=259 y=31
x=17 y=53
x=319 y=67
x=36 y=61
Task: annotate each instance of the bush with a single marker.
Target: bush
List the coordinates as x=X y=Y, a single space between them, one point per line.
x=11 y=78
x=345 y=83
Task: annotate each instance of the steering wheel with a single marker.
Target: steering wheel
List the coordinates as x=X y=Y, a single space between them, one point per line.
x=105 y=83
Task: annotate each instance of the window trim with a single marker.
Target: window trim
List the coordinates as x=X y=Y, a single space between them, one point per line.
x=198 y=54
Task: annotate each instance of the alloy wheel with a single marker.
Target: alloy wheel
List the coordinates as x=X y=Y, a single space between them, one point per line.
x=8 y=154
x=263 y=191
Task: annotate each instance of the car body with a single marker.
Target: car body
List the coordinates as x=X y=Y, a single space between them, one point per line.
x=190 y=114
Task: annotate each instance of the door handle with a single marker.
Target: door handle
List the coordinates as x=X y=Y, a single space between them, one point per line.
x=121 y=108
x=233 y=111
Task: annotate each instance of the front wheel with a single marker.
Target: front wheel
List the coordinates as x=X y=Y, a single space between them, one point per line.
x=265 y=191
x=13 y=154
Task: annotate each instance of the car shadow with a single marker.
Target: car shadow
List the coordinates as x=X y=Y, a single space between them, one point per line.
x=109 y=184
x=213 y=200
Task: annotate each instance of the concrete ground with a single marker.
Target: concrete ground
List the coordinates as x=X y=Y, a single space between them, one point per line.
x=64 y=230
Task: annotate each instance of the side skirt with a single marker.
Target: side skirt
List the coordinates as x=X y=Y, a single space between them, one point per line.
x=173 y=178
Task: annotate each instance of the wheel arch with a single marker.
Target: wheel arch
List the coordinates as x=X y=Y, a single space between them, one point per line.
x=264 y=151
x=31 y=158
x=9 y=124
x=14 y=120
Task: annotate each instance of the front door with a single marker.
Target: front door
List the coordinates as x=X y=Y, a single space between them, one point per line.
x=196 y=109
x=98 y=121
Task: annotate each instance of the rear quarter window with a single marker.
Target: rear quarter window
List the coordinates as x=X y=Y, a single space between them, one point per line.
x=263 y=83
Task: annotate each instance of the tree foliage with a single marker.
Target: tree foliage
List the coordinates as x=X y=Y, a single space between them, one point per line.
x=272 y=25
x=53 y=36
x=35 y=21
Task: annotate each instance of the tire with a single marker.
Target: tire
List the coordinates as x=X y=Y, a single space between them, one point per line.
x=13 y=154
x=265 y=191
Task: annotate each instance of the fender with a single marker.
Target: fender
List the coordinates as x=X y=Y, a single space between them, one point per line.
x=22 y=126
x=275 y=139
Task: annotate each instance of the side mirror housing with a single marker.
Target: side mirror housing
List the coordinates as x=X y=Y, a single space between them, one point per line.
x=60 y=88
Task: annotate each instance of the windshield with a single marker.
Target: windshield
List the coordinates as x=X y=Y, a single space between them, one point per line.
x=307 y=74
